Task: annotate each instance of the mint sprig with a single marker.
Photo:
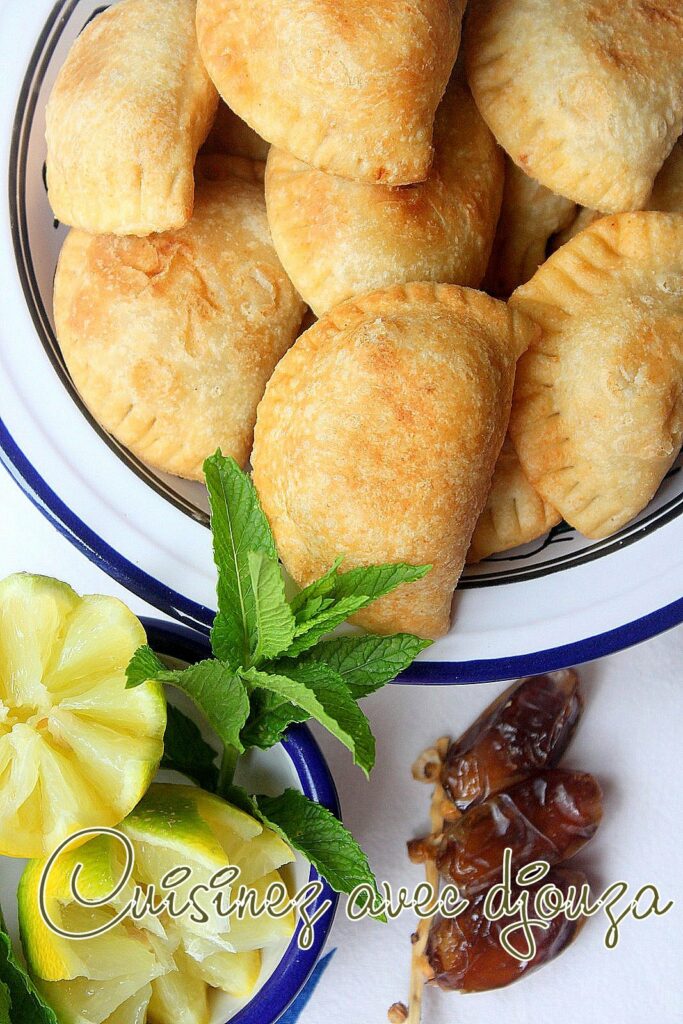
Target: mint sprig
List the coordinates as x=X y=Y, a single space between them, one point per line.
x=187 y=752
x=215 y=688
x=320 y=836
x=239 y=527
x=275 y=622
x=5 y=1004
x=20 y=1001
x=274 y=664
x=365 y=663
x=323 y=695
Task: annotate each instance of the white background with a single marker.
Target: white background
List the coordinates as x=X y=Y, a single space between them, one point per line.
x=630 y=738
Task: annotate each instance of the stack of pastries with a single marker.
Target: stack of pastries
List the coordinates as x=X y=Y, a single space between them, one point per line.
x=225 y=164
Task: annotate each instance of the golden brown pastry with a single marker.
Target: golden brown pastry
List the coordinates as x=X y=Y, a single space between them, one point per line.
x=597 y=418
x=351 y=88
x=170 y=339
x=514 y=513
x=529 y=215
x=585 y=95
x=338 y=238
x=666 y=196
x=231 y=136
x=377 y=437
x=130 y=108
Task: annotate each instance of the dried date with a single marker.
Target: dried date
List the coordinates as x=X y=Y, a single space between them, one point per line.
x=548 y=816
x=465 y=953
x=527 y=728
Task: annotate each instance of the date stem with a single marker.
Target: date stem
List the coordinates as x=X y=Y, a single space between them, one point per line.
x=426 y=769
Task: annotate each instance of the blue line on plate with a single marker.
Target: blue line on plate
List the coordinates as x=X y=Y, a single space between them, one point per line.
x=435 y=673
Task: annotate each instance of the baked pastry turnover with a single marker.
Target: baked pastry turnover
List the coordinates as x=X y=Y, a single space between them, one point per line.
x=585 y=95
x=170 y=339
x=338 y=238
x=530 y=214
x=377 y=437
x=597 y=418
x=514 y=513
x=351 y=88
x=666 y=196
x=129 y=109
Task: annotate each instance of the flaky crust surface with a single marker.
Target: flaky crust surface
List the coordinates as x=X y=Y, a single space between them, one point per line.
x=530 y=214
x=514 y=514
x=129 y=109
x=666 y=196
x=170 y=339
x=338 y=238
x=597 y=417
x=351 y=88
x=585 y=95
x=377 y=437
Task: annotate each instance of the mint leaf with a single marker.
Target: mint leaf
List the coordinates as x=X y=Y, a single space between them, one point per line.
x=239 y=526
x=374 y=581
x=275 y=623
x=323 y=840
x=368 y=581
x=338 y=595
x=219 y=693
x=213 y=686
x=314 y=831
x=363 y=662
x=316 y=591
x=312 y=608
x=144 y=665
x=186 y=751
x=238 y=797
x=366 y=662
x=4 y=1004
x=270 y=717
x=310 y=631
x=324 y=696
x=25 y=1004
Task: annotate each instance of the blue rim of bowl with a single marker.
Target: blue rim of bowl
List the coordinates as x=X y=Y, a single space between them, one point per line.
x=296 y=965
x=191 y=613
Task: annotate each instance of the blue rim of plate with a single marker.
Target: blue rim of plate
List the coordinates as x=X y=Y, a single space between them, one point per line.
x=296 y=965
x=199 y=617
x=190 y=613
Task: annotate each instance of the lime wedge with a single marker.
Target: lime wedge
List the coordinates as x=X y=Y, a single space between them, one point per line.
x=155 y=968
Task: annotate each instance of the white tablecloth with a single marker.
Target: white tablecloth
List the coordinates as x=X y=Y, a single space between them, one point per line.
x=630 y=738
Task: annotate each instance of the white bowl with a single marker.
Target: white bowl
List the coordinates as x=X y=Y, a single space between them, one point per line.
x=559 y=601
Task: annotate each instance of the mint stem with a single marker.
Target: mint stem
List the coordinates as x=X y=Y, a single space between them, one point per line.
x=227 y=770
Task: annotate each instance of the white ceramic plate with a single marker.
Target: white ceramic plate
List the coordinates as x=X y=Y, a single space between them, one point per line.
x=559 y=601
